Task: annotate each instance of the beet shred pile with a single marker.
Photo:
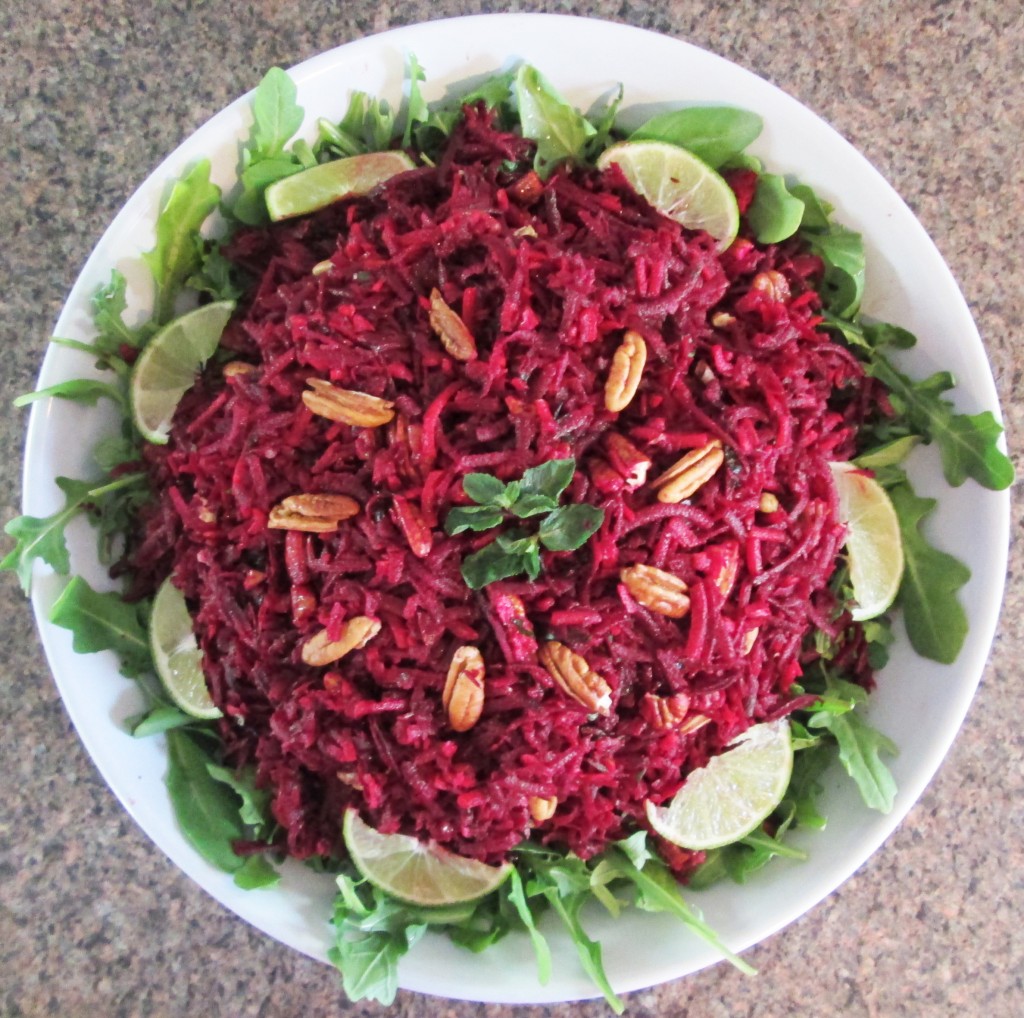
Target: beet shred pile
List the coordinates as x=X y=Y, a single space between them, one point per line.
x=547 y=277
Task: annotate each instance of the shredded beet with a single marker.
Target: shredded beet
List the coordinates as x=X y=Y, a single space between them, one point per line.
x=547 y=276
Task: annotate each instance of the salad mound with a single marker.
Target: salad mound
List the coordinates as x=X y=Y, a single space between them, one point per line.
x=547 y=278
x=506 y=503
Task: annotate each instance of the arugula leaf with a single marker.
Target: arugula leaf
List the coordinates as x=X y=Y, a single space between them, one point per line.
x=934 y=618
x=43 y=537
x=216 y=275
x=517 y=896
x=569 y=527
x=561 y=133
x=603 y=125
x=842 y=250
x=879 y=635
x=104 y=622
x=254 y=810
x=256 y=873
x=369 y=964
x=775 y=213
x=804 y=786
x=967 y=443
x=859 y=749
x=715 y=134
x=816 y=210
x=160 y=718
x=476 y=518
x=176 y=255
x=206 y=809
x=109 y=304
x=87 y=391
x=484 y=489
x=549 y=479
x=416 y=111
x=276 y=114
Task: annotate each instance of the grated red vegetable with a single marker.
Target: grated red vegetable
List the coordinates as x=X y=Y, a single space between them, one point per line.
x=547 y=277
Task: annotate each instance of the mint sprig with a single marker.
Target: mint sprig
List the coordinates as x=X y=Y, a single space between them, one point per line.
x=536 y=493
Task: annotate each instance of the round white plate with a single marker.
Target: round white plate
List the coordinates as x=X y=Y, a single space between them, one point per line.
x=919 y=704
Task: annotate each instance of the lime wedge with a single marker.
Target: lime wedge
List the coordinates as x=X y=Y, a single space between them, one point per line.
x=168 y=366
x=727 y=799
x=322 y=185
x=873 y=541
x=679 y=185
x=176 y=655
x=423 y=874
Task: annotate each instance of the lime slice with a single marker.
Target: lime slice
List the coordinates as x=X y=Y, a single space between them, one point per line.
x=733 y=794
x=168 y=366
x=176 y=655
x=322 y=185
x=873 y=540
x=423 y=874
x=679 y=185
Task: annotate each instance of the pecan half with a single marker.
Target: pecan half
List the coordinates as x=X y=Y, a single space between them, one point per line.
x=321 y=267
x=410 y=521
x=542 y=809
x=315 y=514
x=463 y=695
x=749 y=639
x=576 y=678
x=693 y=724
x=321 y=650
x=624 y=374
x=722 y=319
x=451 y=329
x=667 y=712
x=689 y=473
x=233 y=368
x=347 y=406
x=656 y=589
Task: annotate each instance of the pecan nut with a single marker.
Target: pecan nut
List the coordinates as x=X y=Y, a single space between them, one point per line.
x=235 y=368
x=321 y=650
x=576 y=678
x=414 y=528
x=749 y=639
x=693 y=724
x=624 y=374
x=772 y=284
x=627 y=460
x=542 y=808
x=656 y=589
x=451 y=329
x=690 y=472
x=347 y=406
x=463 y=695
x=315 y=514
x=666 y=712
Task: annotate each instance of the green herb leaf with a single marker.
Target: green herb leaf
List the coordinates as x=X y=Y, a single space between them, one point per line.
x=550 y=478
x=842 y=250
x=859 y=749
x=604 y=124
x=889 y=454
x=477 y=518
x=416 y=111
x=104 y=622
x=716 y=134
x=935 y=619
x=276 y=115
x=369 y=964
x=176 y=255
x=517 y=896
x=816 y=210
x=161 y=718
x=484 y=489
x=255 y=802
x=206 y=809
x=109 y=304
x=256 y=873
x=489 y=564
x=774 y=213
x=804 y=785
x=87 y=391
x=560 y=132
x=533 y=505
x=569 y=527
x=216 y=275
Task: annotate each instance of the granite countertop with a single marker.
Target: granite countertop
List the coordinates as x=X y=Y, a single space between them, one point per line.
x=95 y=920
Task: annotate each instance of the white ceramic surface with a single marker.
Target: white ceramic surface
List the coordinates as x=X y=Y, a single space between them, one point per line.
x=920 y=704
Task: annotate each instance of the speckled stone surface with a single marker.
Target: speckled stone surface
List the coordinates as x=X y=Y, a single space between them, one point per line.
x=93 y=919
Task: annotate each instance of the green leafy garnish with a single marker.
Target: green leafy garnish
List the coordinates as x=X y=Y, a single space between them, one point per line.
x=775 y=213
x=87 y=391
x=176 y=254
x=104 y=622
x=561 y=133
x=536 y=493
x=715 y=134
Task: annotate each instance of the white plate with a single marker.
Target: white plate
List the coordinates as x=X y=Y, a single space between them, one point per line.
x=918 y=703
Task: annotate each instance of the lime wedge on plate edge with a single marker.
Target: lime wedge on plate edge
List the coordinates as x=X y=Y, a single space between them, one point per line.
x=873 y=541
x=322 y=185
x=167 y=367
x=176 y=655
x=416 y=872
x=679 y=185
x=733 y=794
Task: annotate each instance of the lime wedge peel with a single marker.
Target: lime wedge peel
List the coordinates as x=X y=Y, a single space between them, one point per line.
x=679 y=185
x=419 y=873
x=873 y=541
x=322 y=185
x=168 y=366
x=176 y=655
x=733 y=794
